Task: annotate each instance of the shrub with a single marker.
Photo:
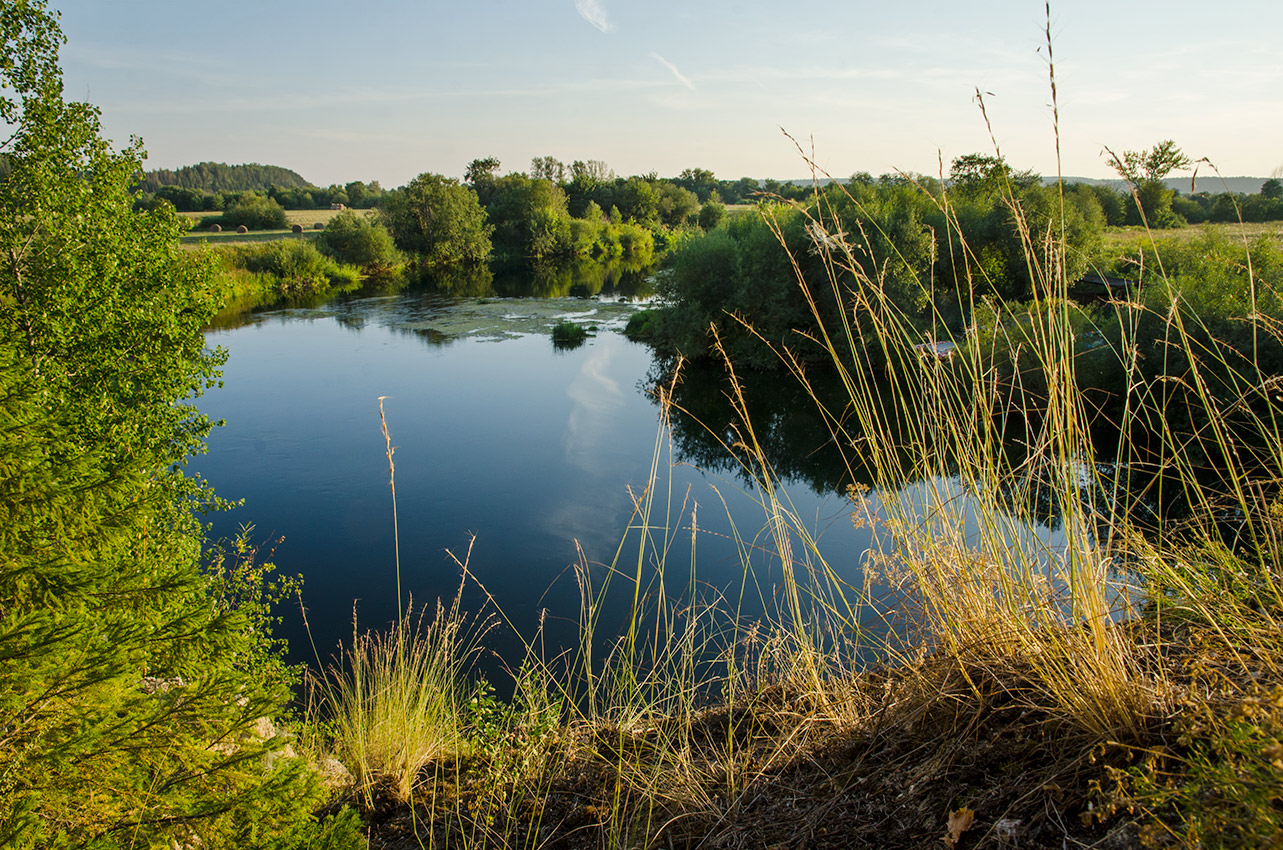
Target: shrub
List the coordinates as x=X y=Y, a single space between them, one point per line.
x=295 y=265
x=640 y=325
x=254 y=212
x=359 y=241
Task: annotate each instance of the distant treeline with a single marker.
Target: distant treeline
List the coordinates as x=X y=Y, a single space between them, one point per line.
x=356 y=194
x=216 y=177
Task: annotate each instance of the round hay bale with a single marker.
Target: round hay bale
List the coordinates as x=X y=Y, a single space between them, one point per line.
x=298 y=228
x=216 y=228
x=242 y=229
x=320 y=225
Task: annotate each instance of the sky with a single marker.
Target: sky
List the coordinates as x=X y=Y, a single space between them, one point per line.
x=388 y=89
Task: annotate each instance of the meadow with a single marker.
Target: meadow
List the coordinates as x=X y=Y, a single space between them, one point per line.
x=307 y=219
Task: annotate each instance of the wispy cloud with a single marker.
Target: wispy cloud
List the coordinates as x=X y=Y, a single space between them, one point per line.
x=681 y=78
x=594 y=13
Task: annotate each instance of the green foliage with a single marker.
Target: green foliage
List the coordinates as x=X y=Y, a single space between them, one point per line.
x=360 y=241
x=1150 y=165
x=738 y=269
x=481 y=170
x=700 y=181
x=213 y=177
x=256 y=212
x=1144 y=172
x=711 y=214
x=438 y=220
x=529 y=217
x=131 y=672
x=676 y=206
x=293 y=265
x=640 y=326
x=1221 y=785
x=929 y=258
x=567 y=335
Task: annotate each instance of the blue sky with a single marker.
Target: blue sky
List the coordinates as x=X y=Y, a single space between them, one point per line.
x=387 y=89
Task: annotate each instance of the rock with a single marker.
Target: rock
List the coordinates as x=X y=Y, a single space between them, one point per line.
x=333 y=774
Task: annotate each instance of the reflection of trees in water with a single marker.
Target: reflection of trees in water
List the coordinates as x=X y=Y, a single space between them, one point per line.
x=582 y=278
x=463 y=281
x=794 y=435
x=245 y=309
x=797 y=440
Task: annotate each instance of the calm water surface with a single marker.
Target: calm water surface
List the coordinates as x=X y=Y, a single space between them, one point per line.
x=499 y=437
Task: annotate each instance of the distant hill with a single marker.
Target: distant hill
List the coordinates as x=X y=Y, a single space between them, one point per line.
x=221 y=177
x=1206 y=182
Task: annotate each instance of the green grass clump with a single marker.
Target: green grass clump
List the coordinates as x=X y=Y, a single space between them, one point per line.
x=397 y=703
x=566 y=334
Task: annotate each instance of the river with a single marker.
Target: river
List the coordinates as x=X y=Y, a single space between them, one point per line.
x=530 y=456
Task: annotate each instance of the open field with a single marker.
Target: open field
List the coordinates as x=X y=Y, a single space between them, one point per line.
x=306 y=218
x=1121 y=237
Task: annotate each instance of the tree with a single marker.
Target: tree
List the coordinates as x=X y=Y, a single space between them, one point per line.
x=359 y=241
x=439 y=220
x=674 y=204
x=1272 y=188
x=1153 y=164
x=1144 y=172
x=481 y=170
x=529 y=217
x=981 y=173
x=130 y=668
x=548 y=168
x=700 y=181
x=594 y=170
x=256 y=213
x=711 y=214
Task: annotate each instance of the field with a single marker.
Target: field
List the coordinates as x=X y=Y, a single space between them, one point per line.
x=1123 y=237
x=306 y=218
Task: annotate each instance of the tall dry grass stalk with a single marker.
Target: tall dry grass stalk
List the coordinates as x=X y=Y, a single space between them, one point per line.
x=998 y=590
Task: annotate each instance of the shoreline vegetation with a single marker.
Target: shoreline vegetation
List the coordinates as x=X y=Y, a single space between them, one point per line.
x=1124 y=690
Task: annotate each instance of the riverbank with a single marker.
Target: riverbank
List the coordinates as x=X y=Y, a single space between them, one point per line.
x=960 y=749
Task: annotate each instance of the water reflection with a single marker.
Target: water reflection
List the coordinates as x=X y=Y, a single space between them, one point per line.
x=537 y=453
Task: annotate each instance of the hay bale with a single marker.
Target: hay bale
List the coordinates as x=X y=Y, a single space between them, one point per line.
x=216 y=228
x=242 y=229
x=298 y=228
x=320 y=225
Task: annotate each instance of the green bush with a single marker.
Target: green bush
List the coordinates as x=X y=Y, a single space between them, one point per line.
x=358 y=240
x=294 y=264
x=254 y=211
x=640 y=325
